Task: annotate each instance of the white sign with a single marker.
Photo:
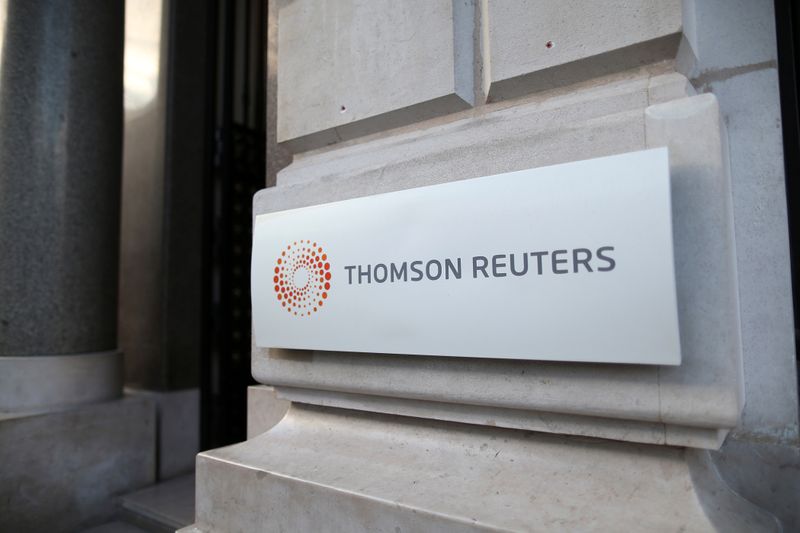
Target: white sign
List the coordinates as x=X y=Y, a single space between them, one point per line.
x=571 y=262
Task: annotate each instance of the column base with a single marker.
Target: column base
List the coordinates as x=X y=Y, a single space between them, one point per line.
x=322 y=469
x=62 y=469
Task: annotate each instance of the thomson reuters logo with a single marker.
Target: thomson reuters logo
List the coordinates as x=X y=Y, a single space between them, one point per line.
x=302 y=278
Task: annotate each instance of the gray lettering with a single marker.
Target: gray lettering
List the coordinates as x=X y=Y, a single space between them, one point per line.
x=350 y=269
x=363 y=274
x=556 y=261
x=438 y=269
x=524 y=265
x=482 y=267
x=380 y=267
x=454 y=268
x=587 y=256
x=497 y=265
x=539 y=256
x=608 y=259
x=400 y=274
x=416 y=270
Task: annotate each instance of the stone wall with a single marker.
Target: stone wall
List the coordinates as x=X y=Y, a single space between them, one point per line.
x=376 y=97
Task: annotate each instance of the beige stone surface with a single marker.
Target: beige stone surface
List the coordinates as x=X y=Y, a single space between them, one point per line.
x=572 y=101
x=548 y=128
x=703 y=239
x=264 y=409
x=539 y=44
x=550 y=105
x=334 y=470
x=543 y=421
x=734 y=54
x=343 y=62
x=691 y=405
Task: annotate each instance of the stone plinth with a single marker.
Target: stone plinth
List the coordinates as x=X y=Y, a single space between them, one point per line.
x=336 y=470
x=375 y=442
x=61 y=469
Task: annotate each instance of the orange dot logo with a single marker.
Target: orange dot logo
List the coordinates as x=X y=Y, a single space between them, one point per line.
x=302 y=278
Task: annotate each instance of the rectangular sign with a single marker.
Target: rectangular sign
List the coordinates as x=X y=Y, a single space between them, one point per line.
x=572 y=262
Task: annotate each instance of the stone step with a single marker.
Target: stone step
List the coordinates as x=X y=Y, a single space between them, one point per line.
x=164 y=507
x=115 y=527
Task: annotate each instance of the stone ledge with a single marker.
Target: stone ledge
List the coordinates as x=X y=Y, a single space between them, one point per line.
x=542 y=421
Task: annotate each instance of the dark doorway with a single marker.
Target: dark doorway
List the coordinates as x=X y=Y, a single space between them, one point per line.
x=236 y=170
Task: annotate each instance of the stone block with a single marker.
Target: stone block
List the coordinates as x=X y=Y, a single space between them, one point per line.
x=348 y=68
x=336 y=470
x=531 y=45
x=69 y=465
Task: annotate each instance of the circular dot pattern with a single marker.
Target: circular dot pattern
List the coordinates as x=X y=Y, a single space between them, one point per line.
x=302 y=278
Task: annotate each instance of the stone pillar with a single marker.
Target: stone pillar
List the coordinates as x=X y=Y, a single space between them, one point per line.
x=370 y=100
x=69 y=441
x=60 y=159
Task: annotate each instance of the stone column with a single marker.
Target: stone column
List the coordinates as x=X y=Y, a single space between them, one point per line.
x=70 y=442
x=60 y=160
